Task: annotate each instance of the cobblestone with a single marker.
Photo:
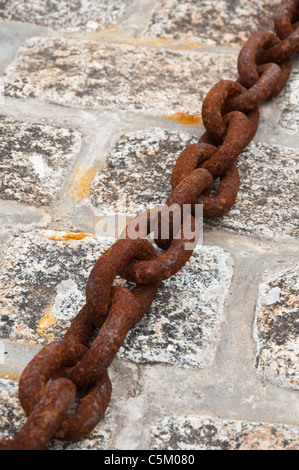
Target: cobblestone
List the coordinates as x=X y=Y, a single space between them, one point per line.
x=205 y=433
x=211 y=21
x=88 y=15
x=139 y=162
x=34 y=160
x=266 y=205
x=11 y=413
x=277 y=329
x=289 y=101
x=12 y=418
x=116 y=76
x=47 y=272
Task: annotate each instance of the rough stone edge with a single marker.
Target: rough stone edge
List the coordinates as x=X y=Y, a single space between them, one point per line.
x=263 y=375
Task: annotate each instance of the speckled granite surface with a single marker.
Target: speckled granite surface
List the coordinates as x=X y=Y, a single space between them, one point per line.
x=277 y=329
x=48 y=272
x=204 y=433
x=88 y=15
x=139 y=167
x=34 y=159
x=211 y=22
x=12 y=418
x=115 y=76
x=267 y=203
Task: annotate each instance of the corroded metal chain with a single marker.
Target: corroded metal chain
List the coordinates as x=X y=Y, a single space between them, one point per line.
x=230 y=115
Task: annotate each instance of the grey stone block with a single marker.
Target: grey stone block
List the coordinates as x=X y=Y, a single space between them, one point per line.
x=140 y=166
x=267 y=203
x=12 y=418
x=277 y=329
x=42 y=283
x=207 y=433
x=34 y=160
x=289 y=101
x=87 y=15
x=92 y=75
x=210 y=21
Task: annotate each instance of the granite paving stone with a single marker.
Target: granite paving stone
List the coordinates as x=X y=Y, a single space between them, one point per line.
x=211 y=22
x=138 y=171
x=207 y=433
x=117 y=76
x=34 y=159
x=289 y=100
x=42 y=283
x=277 y=329
x=267 y=203
x=47 y=273
x=86 y=15
x=11 y=413
x=12 y=418
x=183 y=326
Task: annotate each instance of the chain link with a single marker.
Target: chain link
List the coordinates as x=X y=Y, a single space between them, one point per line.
x=231 y=117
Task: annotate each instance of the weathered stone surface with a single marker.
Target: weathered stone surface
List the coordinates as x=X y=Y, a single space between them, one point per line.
x=139 y=168
x=11 y=413
x=90 y=75
x=267 y=203
x=12 y=418
x=43 y=277
x=90 y=15
x=183 y=326
x=34 y=159
x=205 y=433
x=277 y=329
x=211 y=21
x=289 y=99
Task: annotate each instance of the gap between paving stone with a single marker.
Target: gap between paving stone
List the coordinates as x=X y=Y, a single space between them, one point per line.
x=13 y=36
x=269 y=131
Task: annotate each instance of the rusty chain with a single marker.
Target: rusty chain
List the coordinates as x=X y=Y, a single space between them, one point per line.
x=49 y=384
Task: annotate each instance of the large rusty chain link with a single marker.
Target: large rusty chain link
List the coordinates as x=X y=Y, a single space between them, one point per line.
x=49 y=384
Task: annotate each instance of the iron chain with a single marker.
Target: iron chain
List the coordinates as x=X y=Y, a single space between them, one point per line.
x=231 y=117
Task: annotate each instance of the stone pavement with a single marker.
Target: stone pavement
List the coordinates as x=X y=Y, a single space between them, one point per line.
x=100 y=99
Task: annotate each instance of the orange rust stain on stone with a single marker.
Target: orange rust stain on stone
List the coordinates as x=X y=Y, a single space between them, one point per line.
x=149 y=154
x=47 y=320
x=188 y=119
x=82 y=178
x=69 y=236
